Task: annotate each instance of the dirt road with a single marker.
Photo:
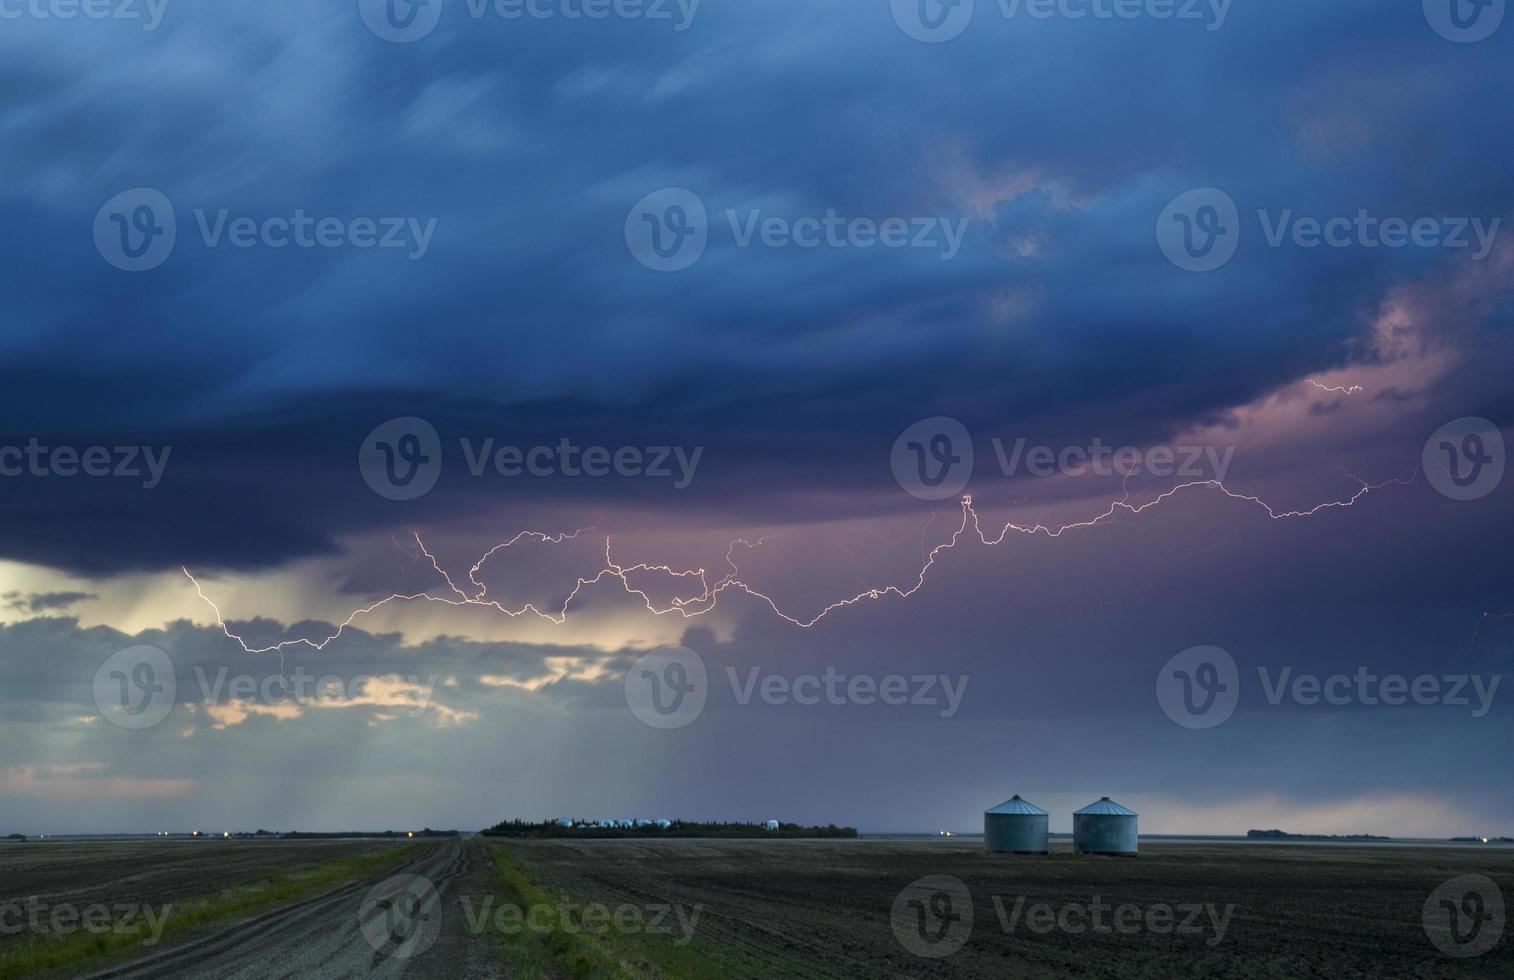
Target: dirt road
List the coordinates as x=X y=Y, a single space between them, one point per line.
x=406 y=922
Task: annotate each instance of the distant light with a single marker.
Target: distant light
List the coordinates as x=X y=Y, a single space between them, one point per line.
x=410 y=834
x=227 y=834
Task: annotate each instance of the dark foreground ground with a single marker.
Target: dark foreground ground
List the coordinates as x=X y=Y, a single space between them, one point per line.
x=704 y=909
x=846 y=909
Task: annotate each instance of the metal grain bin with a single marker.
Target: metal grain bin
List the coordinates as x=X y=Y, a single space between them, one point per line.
x=1015 y=827
x=1104 y=827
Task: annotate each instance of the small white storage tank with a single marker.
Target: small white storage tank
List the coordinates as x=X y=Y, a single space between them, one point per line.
x=1104 y=827
x=1015 y=826
x=771 y=825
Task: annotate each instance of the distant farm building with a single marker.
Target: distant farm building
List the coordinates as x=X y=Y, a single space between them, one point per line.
x=1104 y=827
x=1015 y=826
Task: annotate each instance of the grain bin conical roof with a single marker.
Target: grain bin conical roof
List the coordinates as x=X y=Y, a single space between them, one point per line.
x=1106 y=807
x=1016 y=805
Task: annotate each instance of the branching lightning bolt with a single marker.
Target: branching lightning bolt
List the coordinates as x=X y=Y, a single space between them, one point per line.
x=1472 y=645
x=709 y=591
x=1336 y=390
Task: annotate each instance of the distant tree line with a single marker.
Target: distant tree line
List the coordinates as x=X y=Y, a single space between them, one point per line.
x=1283 y=835
x=307 y=835
x=678 y=828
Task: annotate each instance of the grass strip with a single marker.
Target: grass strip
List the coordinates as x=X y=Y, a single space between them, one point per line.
x=583 y=953
x=52 y=954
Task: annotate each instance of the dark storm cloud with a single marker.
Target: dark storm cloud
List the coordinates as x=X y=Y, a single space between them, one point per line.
x=528 y=142
x=41 y=602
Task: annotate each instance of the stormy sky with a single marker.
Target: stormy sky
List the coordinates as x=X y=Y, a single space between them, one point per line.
x=224 y=411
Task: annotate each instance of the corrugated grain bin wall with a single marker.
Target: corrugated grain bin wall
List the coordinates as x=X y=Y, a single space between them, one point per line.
x=1015 y=827
x=1104 y=827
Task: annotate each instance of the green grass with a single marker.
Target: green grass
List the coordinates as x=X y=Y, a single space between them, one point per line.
x=609 y=954
x=40 y=955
